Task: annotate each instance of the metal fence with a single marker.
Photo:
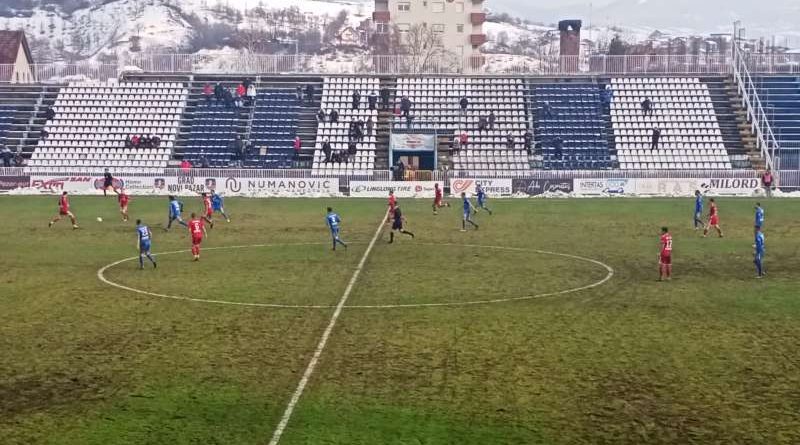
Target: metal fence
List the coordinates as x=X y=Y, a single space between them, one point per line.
x=488 y=64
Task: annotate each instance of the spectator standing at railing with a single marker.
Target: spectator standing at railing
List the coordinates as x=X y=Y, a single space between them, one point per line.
x=491 y=120
x=464 y=140
x=463 y=103
x=768 y=182
x=656 y=137
x=19 y=161
x=558 y=147
x=219 y=92
x=334 y=116
x=298 y=146
x=372 y=99
x=310 y=93
x=208 y=92
x=186 y=166
x=510 y=141
x=647 y=107
x=356 y=99
x=7 y=156
x=326 y=149
x=241 y=90
x=405 y=106
x=606 y=96
x=482 y=123
x=135 y=141
x=370 y=126
x=128 y=143
x=547 y=110
x=204 y=161
x=528 y=137
x=155 y=141
x=49 y=114
x=251 y=95
x=385 y=93
x=299 y=93
x=321 y=115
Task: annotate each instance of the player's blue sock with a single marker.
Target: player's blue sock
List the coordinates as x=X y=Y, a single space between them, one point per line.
x=149 y=258
x=758 y=266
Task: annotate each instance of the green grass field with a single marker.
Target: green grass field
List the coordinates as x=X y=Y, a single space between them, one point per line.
x=711 y=357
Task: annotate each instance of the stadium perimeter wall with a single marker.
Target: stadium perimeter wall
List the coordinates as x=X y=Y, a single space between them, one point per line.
x=301 y=183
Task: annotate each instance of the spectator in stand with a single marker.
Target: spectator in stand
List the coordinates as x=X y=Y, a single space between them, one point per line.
x=208 y=92
x=298 y=146
x=19 y=161
x=352 y=148
x=186 y=166
x=491 y=120
x=510 y=141
x=241 y=90
x=647 y=107
x=44 y=134
x=385 y=93
x=456 y=145
x=464 y=103
x=204 y=161
x=128 y=143
x=528 y=140
x=219 y=92
x=464 y=139
x=238 y=149
x=7 y=156
x=49 y=114
x=135 y=141
x=326 y=149
x=321 y=115
x=310 y=93
x=768 y=182
x=334 y=116
x=409 y=121
x=558 y=147
x=405 y=106
x=606 y=96
x=155 y=141
x=299 y=94
x=360 y=130
x=401 y=170
x=251 y=95
x=656 y=137
x=356 y=99
x=372 y=99
x=482 y=123
x=547 y=110
x=228 y=97
x=370 y=126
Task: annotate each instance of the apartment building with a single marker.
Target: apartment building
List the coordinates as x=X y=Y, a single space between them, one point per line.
x=460 y=23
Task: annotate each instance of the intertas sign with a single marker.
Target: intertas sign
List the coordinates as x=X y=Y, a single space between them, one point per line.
x=492 y=187
x=402 y=189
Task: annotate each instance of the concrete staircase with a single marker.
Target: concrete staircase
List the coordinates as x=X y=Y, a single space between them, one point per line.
x=383 y=125
x=730 y=119
x=30 y=102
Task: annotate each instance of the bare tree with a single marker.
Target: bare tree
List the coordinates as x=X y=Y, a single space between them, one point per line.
x=425 y=51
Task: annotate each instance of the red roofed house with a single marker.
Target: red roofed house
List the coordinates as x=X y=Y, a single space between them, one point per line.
x=16 y=61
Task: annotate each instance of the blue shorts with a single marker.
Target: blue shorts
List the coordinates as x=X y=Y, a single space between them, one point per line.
x=481 y=203
x=335 y=232
x=174 y=217
x=144 y=246
x=466 y=214
x=758 y=257
x=216 y=208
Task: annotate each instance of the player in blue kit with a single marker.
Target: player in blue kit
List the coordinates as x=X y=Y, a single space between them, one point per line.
x=217 y=205
x=759 y=216
x=175 y=210
x=481 y=195
x=144 y=237
x=468 y=210
x=698 y=210
x=758 y=252
x=333 y=221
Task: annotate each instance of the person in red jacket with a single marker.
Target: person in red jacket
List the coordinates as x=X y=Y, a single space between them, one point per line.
x=463 y=139
x=298 y=144
x=208 y=92
x=240 y=90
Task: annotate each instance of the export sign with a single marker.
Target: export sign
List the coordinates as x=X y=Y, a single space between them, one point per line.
x=492 y=187
x=72 y=184
x=402 y=189
x=536 y=187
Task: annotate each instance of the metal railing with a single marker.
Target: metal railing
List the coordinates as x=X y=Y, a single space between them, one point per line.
x=365 y=64
x=760 y=126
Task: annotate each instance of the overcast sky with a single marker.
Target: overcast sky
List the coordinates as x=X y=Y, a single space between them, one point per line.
x=766 y=16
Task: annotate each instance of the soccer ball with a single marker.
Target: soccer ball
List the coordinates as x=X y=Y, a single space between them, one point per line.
x=99 y=219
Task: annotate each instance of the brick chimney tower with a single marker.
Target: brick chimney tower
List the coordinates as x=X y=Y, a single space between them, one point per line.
x=570 y=37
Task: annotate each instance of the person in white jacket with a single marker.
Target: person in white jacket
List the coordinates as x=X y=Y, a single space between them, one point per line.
x=251 y=94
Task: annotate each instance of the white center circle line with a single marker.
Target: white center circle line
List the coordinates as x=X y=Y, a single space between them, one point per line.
x=609 y=275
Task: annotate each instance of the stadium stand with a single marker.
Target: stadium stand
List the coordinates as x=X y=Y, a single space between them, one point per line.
x=780 y=97
x=22 y=114
x=570 y=126
x=93 y=120
x=436 y=107
x=210 y=128
x=274 y=128
x=682 y=110
x=337 y=95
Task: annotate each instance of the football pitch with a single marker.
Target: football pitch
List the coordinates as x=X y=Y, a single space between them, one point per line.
x=545 y=326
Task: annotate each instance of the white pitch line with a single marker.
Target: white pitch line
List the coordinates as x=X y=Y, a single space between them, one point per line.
x=323 y=341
